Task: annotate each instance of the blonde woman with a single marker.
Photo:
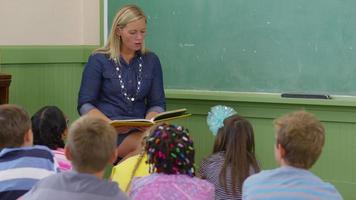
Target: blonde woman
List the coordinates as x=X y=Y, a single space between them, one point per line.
x=123 y=80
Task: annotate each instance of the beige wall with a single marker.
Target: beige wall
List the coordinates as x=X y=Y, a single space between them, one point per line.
x=49 y=22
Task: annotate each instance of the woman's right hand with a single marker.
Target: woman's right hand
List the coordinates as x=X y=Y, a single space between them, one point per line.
x=97 y=113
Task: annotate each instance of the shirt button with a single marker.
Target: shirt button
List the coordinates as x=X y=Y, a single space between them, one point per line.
x=130 y=81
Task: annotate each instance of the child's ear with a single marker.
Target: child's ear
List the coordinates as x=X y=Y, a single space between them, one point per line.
x=279 y=153
x=64 y=135
x=281 y=150
x=28 y=138
x=67 y=153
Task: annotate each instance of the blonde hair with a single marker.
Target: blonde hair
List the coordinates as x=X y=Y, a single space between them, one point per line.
x=124 y=16
x=91 y=143
x=302 y=136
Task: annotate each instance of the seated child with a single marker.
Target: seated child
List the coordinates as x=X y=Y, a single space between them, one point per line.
x=170 y=154
x=90 y=146
x=49 y=127
x=21 y=164
x=133 y=166
x=233 y=158
x=299 y=141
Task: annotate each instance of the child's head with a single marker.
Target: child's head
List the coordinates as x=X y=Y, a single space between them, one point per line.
x=49 y=127
x=235 y=136
x=299 y=139
x=91 y=144
x=15 y=127
x=170 y=150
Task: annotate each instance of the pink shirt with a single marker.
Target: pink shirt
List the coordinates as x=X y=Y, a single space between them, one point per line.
x=59 y=157
x=163 y=186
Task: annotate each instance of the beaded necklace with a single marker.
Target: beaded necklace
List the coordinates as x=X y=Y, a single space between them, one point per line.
x=130 y=98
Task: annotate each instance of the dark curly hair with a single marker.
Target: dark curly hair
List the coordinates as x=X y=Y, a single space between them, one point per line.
x=48 y=125
x=170 y=150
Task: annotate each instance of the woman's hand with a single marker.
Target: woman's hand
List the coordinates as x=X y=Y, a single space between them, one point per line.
x=150 y=115
x=97 y=113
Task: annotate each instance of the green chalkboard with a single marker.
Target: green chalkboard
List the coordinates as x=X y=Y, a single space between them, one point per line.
x=306 y=46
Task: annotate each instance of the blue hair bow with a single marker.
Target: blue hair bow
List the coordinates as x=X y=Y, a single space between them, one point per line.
x=216 y=117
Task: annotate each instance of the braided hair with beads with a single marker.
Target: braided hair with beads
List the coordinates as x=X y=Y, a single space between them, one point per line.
x=170 y=150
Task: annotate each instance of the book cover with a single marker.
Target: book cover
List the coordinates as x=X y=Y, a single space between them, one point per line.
x=161 y=117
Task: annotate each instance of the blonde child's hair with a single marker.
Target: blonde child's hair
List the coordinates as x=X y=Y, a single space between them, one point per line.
x=302 y=136
x=91 y=142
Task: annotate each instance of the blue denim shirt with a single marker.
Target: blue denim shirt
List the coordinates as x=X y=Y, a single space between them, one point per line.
x=100 y=87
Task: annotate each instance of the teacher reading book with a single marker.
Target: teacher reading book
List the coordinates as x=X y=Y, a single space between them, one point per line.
x=123 y=80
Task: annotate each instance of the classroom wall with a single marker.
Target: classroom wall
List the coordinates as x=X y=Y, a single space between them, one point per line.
x=49 y=22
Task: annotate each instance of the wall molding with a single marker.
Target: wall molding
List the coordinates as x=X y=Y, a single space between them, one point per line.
x=45 y=54
x=265 y=105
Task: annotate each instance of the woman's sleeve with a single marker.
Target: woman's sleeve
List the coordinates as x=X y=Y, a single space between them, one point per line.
x=90 y=85
x=156 y=98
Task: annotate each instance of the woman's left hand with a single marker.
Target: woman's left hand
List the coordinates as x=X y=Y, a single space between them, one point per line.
x=150 y=115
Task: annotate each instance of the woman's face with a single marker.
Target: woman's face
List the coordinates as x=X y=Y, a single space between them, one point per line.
x=132 y=36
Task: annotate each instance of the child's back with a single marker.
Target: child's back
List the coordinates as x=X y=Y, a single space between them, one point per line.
x=75 y=186
x=300 y=139
x=91 y=147
x=21 y=164
x=170 y=154
x=171 y=187
x=288 y=183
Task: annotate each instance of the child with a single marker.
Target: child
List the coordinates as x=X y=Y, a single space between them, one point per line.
x=170 y=154
x=133 y=166
x=90 y=147
x=49 y=127
x=233 y=158
x=299 y=142
x=21 y=164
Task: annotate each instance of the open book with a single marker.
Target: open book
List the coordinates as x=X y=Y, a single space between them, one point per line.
x=161 y=117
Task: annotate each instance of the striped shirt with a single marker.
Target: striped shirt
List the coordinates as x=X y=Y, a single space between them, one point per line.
x=210 y=170
x=288 y=183
x=21 y=168
x=63 y=163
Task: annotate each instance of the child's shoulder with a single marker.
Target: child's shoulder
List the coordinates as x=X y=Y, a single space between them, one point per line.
x=262 y=176
x=37 y=151
x=213 y=159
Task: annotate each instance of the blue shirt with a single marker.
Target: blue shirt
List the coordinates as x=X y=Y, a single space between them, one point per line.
x=100 y=87
x=21 y=168
x=288 y=183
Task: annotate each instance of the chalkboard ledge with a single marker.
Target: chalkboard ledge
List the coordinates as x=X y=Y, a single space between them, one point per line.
x=337 y=100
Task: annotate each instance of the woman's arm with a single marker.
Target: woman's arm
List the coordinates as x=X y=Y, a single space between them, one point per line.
x=156 y=101
x=90 y=86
